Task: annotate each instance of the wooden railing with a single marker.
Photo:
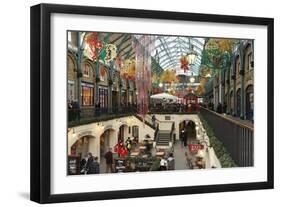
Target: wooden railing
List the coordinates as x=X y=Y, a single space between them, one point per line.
x=237 y=137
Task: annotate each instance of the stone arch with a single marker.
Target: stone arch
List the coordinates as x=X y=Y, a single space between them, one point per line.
x=135 y=131
x=92 y=65
x=248 y=56
x=71 y=59
x=104 y=75
x=83 y=145
x=123 y=132
x=108 y=139
x=249 y=102
x=71 y=77
x=248 y=83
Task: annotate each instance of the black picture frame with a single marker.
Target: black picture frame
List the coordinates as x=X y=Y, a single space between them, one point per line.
x=41 y=96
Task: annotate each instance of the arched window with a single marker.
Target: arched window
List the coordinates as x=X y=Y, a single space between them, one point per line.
x=86 y=70
x=250 y=102
x=248 y=58
x=135 y=131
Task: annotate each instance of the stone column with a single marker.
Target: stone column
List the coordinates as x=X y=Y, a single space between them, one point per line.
x=242 y=78
x=97 y=83
x=234 y=86
x=110 y=98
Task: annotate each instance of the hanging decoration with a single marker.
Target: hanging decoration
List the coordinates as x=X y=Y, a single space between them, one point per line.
x=217 y=55
x=111 y=53
x=201 y=88
x=206 y=72
x=131 y=68
x=143 y=46
x=169 y=76
x=184 y=63
x=226 y=45
x=127 y=65
x=94 y=44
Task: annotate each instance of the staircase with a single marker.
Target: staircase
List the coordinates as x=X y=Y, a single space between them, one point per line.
x=163 y=138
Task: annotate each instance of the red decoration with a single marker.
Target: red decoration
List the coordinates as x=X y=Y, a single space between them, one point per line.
x=121 y=149
x=95 y=44
x=184 y=63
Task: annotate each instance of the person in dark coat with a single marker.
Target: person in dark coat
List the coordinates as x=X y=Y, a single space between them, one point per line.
x=94 y=166
x=89 y=162
x=109 y=161
x=219 y=108
x=83 y=163
x=224 y=107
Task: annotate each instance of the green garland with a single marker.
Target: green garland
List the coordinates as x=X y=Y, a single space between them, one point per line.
x=221 y=152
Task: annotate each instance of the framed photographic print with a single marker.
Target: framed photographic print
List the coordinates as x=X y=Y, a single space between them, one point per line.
x=133 y=103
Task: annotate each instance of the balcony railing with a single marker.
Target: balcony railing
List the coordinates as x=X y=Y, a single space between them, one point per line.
x=237 y=137
x=89 y=114
x=173 y=109
x=78 y=117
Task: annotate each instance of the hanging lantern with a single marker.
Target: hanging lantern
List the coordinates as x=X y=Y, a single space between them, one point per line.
x=192 y=79
x=191 y=56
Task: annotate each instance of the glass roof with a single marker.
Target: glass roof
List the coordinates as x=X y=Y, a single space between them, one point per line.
x=168 y=49
x=171 y=48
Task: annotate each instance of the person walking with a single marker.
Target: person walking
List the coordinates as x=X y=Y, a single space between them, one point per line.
x=83 y=163
x=171 y=162
x=182 y=138
x=185 y=138
x=109 y=160
x=153 y=119
x=188 y=159
x=163 y=164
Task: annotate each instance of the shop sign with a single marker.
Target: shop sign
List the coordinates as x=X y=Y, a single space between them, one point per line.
x=193 y=148
x=73 y=165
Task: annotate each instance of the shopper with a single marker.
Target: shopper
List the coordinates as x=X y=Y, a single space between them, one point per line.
x=182 y=137
x=185 y=138
x=83 y=163
x=129 y=144
x=94 y=167
x=163 y=164
x=109 y=160
x=171 y=162
x=188 y=159
x=90 y=159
